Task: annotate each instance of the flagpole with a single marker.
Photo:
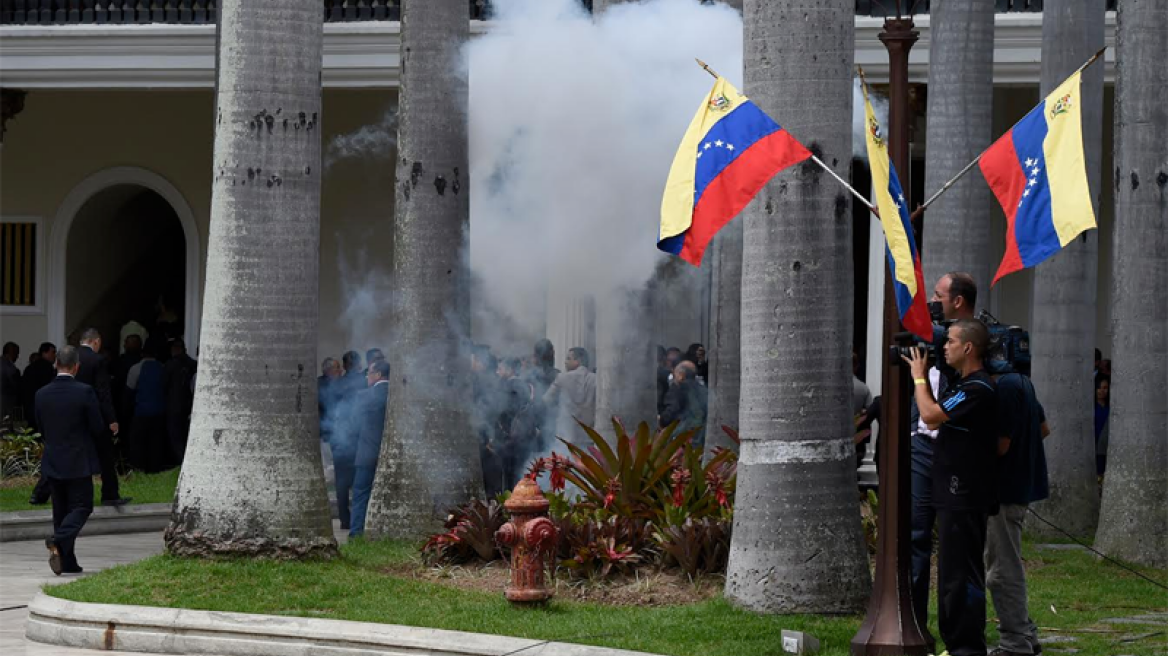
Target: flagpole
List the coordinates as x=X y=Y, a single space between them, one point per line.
x=863 y=199
x=969 y=167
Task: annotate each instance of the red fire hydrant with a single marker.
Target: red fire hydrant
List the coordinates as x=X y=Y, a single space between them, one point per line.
x=532 y=537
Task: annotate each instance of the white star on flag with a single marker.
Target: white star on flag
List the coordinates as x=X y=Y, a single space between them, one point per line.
x=900 y=197
x=699 y=154
x=718 y=143
x=707 y=146
x=1030 y=161
x=729 y=146
x=1033 y=181
x=1025 y=193
x=1034 y=171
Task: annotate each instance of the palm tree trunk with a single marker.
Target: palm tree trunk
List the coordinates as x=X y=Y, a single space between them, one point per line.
x=1063 y=334
x=725 y=347
x=960 y=112
x=252 y=482
x=1133 y=524
x=797 y=545
x=429 y=458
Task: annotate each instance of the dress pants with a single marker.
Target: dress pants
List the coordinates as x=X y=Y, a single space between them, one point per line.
x=72 y=505
x=923 y=518
x=961 y=597
x=346 y=471
x=362 y=490
x=107 y=456
x=1006 y=579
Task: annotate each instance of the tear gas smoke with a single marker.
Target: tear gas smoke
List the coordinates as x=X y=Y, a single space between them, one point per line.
x=573 y=126
x=375 y=141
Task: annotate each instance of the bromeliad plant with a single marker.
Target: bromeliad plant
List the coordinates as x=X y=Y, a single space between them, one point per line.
x=646 y=499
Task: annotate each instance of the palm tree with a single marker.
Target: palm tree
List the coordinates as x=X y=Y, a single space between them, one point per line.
x=960 y=112
x=1132 y=522
x=1063 y=332
x=252 y=481
x=725 y=335
x=797 y=545
x=429 y=456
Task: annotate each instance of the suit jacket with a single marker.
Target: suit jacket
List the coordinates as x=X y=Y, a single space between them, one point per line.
x=36 y=376
x=70 y=420
x=9 y=387
x=94 y=372
x=372 y=412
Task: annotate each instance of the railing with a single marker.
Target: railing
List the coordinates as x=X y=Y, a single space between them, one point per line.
x=66 y=12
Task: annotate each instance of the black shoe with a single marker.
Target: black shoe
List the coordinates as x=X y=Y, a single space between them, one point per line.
x=54 y=556
x=37 y=501
x=116 y=502
x=73 y=570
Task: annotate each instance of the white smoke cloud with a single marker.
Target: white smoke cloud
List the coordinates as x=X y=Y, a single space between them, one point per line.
x=879 y=106
x=574 y=122
x=376 y=140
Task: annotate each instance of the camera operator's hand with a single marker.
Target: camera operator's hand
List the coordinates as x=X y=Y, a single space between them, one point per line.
x=918 y=364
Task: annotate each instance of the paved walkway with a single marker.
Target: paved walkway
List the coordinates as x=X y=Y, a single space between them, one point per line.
x=24 y=568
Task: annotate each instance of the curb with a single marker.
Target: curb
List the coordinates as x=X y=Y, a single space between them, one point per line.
x=105 y=520
x=180 y=631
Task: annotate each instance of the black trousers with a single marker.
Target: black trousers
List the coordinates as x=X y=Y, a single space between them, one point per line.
x=346 y=472
x=72 y=505
x=108 y=458
x=961 y=587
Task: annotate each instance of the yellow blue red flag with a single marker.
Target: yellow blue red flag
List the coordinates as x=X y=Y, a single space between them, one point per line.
x=904 y=262
x=1038 y=172
x=731 y=149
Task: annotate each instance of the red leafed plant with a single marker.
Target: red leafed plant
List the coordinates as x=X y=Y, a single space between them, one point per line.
x=470 y=533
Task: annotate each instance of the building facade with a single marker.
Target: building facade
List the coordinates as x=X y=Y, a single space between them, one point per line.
x=105 y=173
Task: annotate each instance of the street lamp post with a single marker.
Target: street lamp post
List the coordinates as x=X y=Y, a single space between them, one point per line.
x=890 y=627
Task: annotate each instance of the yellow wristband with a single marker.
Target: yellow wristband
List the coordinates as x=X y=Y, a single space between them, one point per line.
x=920 y=381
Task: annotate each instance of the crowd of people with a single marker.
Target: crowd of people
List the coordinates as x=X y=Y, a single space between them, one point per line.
x=520 y=405
x=145 y=393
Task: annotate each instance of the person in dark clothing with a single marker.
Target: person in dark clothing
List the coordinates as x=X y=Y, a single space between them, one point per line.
x=954 y=297
x=372 y=404
x=10 y=381
x=131 y=355
x=71 y=418
x=964 y=481
x=486 y=398
x=520 y=423
x=1102 y=414
x=37 y=374
x=345 y=428
x=685 y=403
x=665 y=369
x=177 y=374
x=327 y=395
x=1022 y=480
x=149 y=450
x=95 y=373
x=371 y=356
x=696 y=353
x=542 y=375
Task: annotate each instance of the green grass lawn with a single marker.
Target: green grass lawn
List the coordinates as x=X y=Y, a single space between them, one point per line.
x=1080 y=589
x=143 y=488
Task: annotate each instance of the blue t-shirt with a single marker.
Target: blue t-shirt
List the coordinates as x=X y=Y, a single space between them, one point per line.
x=1022 y=476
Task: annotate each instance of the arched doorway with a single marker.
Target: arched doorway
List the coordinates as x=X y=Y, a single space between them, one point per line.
x=123 y=247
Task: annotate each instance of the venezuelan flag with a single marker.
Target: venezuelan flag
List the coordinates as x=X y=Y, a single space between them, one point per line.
x=904 y=262
x=731 y=149
x=1037 y=171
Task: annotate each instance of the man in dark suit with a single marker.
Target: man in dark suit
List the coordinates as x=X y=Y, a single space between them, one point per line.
x=70 y=419
x=371 y=413
x=94 y=372
x=9 y=381
x=37 y=374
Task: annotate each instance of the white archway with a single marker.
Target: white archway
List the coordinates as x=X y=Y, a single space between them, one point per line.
x=59 y=242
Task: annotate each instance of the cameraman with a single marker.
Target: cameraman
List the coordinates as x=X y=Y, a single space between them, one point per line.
x=1022 y=480
x=954 y=297
x=964 y=487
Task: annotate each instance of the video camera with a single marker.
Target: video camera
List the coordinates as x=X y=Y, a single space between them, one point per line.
x=1009 y=350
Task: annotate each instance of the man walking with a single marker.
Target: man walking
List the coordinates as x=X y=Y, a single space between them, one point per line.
x=371 y=412
x=685 y=402
x=964 y=487
x=1022 y=480
x=93 y=372
x=9 y=380
x=70 y=419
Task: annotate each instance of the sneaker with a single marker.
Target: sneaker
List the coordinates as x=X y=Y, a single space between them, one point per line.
x=1002 y=651
x=54 y=556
